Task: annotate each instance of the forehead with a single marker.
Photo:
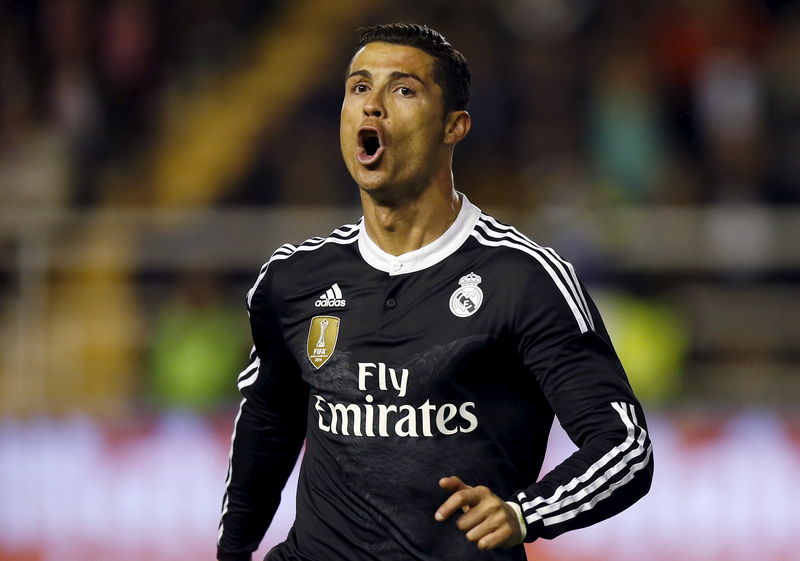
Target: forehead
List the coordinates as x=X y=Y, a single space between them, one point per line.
x=388 y=57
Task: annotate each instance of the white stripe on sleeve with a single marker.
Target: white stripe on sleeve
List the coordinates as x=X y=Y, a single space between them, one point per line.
x=250 y=374
x=570 y=299
x=570 y=279
x=230 y=473
x=618 y=459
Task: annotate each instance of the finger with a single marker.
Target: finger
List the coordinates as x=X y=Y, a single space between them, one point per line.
x=459 y=499
x=483 y=529
x=501 y=537
x=452 y=484
x=475 y=515
x=487 y=519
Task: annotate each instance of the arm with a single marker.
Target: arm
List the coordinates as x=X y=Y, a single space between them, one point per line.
x=268 y=432
x=586 y=386
x=564 y=344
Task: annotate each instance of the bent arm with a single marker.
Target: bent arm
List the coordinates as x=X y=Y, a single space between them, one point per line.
x=586 y=386
x=613 y=466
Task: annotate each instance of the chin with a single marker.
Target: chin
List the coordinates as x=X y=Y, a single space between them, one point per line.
x=369 y=180
x=381 y=192
x=374 y=188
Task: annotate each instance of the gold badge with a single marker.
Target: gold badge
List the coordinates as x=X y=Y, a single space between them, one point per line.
x=322 y=335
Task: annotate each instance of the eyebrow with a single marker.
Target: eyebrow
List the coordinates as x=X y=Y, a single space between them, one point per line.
x=364 y=73
x=396 y=75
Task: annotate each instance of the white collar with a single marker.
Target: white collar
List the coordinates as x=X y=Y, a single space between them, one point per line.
x=427 y=255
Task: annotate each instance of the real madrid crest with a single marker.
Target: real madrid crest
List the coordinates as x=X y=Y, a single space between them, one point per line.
x=322 y=335
x=466 y=300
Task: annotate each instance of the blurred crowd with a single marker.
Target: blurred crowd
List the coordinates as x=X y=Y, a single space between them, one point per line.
x=83 y=83
x=673 y=101
x=592 y=104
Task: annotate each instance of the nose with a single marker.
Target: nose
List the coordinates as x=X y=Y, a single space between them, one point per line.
x=373 y=106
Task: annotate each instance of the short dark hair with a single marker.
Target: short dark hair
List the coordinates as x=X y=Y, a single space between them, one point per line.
x=450 y=67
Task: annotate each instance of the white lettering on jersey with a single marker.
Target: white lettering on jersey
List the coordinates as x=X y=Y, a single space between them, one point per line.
x=406 y=421
x=399 y=381
x=332 y=298
x=402 y=419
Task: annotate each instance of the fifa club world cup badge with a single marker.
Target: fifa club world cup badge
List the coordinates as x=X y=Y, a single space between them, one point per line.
x=466 y=300
x=322 y=335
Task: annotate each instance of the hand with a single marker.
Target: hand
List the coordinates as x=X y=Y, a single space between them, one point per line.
x=487 y=519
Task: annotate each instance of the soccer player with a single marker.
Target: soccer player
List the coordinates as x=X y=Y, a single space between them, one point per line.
x=422 y=354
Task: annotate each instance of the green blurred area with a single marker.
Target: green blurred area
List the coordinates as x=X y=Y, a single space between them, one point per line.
x=651 y=340
x=197 y=344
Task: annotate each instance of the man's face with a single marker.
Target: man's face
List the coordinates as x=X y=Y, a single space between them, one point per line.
x=392 y=127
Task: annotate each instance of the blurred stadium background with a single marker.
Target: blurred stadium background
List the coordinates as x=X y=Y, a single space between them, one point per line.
x=152 y=154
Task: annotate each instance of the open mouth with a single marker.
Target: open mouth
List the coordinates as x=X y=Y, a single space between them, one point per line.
x=370 y=145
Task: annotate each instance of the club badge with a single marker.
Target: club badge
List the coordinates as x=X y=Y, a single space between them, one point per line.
x=466 y=300
x=322 y=335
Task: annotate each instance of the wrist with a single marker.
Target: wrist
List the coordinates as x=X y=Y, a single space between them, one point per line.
x=520 y=520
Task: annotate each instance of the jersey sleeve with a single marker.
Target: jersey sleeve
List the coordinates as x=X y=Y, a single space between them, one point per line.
x=564 y=344
x=268 y=432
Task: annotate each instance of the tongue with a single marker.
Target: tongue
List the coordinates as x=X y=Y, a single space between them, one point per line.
x=367 y=156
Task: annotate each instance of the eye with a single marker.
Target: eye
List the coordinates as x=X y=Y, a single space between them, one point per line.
x=360 y=88
x=405 y=91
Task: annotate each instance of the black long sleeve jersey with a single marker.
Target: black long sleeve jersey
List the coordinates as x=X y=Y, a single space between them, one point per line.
x=398 y=370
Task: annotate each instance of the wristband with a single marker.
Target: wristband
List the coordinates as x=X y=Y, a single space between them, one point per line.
x=522 y=526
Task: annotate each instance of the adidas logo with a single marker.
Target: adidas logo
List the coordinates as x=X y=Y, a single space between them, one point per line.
x=332 y=298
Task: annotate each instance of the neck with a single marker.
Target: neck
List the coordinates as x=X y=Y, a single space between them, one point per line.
x=410 y=224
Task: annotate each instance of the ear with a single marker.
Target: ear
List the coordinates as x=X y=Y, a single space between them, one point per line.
x=456 y=126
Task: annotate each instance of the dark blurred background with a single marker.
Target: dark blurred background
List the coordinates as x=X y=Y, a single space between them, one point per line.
x=153 y=154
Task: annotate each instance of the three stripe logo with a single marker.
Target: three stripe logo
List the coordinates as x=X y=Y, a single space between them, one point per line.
x=332 y=298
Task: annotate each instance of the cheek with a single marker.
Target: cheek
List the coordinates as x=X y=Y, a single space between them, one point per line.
x=348 y=118
x=345 y=148
x=426 y=138
x=347 y=133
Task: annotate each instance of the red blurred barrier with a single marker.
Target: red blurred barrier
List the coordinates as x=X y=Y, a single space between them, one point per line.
x=725 y=489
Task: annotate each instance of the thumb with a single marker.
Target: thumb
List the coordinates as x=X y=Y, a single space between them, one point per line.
x=453 y=484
